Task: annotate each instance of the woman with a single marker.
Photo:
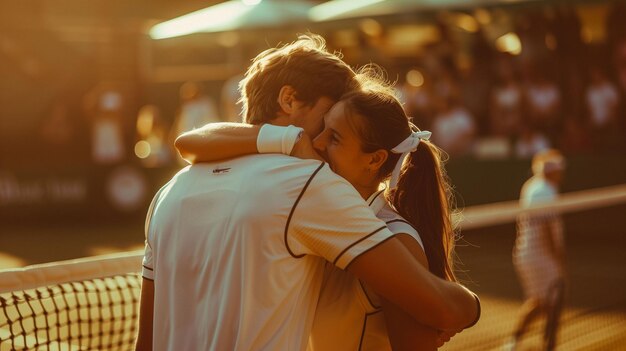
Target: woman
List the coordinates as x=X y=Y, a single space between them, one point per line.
x=368 y=139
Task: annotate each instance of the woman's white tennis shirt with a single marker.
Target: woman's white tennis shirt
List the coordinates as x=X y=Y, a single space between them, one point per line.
x=348 y=316
x=237 y=251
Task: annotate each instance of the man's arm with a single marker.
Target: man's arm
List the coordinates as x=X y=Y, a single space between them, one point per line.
x=403 y=281
x=146 y=314
x=331 y=220
x=405 y=333
x=218 y=141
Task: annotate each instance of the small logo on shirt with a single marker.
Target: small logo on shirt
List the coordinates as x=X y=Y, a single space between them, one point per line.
x=221 y=170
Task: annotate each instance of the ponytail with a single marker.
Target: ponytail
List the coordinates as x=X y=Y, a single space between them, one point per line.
x=423 y=195
x=424 y=198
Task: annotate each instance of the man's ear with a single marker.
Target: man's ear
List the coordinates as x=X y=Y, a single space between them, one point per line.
x=377 y=159
x=286 y=99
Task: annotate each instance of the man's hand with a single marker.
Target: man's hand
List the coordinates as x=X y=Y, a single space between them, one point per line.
x=304 y=149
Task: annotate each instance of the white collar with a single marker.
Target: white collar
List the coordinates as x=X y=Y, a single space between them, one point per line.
x=377 y=201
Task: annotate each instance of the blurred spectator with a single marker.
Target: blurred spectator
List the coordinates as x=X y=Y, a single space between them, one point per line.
x=619 y=59
x=530 y=142
x=543 y=102
x=107 y=131
x=453 y=127
x=417 y=95
x=151 y=144
x=231 y=109
x=196 y=110
x=506 y=102
x=602 y=102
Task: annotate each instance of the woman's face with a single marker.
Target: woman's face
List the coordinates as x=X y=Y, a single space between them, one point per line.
x=339 y=144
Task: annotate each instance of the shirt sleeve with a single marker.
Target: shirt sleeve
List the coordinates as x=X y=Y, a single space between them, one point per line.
x=147 y=269
x=331 y=220
x=398 y=226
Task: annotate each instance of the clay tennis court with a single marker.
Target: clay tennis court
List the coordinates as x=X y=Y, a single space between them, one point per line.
x=595 y=310
x=594 y=317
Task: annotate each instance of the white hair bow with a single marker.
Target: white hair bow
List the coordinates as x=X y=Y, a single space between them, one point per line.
x=405 y=147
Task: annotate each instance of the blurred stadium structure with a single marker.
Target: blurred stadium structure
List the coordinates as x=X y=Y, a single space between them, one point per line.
x=93 y=93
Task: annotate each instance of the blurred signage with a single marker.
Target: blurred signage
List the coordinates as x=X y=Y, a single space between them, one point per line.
x=46 y=190
x=91 y=192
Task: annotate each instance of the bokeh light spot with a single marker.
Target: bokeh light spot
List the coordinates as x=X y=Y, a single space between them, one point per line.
x=142 y=149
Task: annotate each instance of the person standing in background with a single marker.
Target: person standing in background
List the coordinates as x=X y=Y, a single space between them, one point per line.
x=108 y=145
x=196 y=109
x=506 y=102
x=454 y=127
x=602 y=100
x=229 y=99
x=539 y=252
x=543 y=101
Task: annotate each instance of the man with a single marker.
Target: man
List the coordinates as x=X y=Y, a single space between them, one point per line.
x=236 y=250
x=539 y=253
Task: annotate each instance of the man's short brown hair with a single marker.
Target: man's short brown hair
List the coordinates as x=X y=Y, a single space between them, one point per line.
x=305 y=65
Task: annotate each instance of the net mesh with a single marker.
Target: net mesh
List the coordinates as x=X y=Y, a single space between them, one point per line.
x=78 y=312
x=94 y=314
x=593 y=315
x=92 y=304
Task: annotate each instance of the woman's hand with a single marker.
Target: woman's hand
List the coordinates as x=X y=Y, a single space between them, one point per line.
x=304 y=149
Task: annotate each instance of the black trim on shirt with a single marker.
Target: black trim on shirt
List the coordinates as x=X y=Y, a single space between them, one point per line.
x=373 y=247
x=148 y=268
x=150 y=213
x=356 y=242
x=478 y=311
x=365 y=327
x=293 y=208
x=147 y=278
x=375 y=197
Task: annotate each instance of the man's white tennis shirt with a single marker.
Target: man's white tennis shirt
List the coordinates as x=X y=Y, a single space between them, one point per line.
x=237 y=251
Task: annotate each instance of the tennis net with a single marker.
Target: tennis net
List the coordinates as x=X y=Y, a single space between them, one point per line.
x=92 y=303
x=84 y=304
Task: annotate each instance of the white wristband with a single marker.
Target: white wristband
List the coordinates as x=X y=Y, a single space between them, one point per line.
x=277 y=140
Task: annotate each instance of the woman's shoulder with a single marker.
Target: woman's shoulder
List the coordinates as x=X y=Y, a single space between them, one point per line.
x=397 y=224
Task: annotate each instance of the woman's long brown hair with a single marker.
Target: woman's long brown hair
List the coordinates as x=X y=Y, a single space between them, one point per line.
x=423 y=195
